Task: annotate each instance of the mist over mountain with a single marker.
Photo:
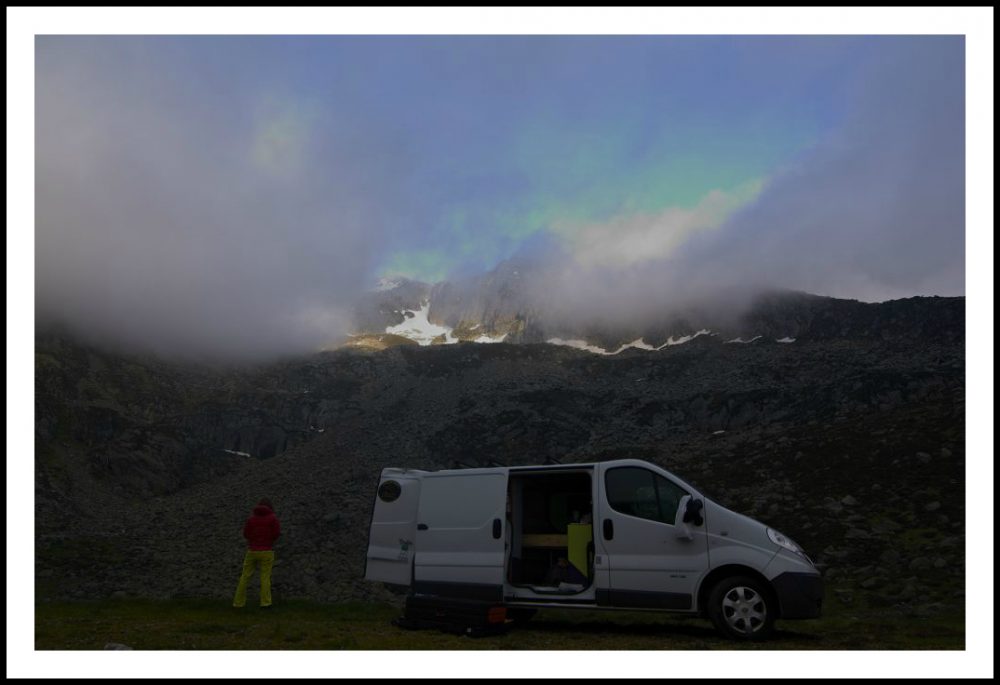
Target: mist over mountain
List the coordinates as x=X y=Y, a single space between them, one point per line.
x=507 y=304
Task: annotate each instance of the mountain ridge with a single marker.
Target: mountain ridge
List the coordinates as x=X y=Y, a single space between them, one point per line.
x=496 y=306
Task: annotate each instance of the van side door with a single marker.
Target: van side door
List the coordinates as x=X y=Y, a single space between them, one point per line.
x=460 y=534
x=650 y=562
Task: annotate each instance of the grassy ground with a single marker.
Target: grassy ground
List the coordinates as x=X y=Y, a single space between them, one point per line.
x=208 y=625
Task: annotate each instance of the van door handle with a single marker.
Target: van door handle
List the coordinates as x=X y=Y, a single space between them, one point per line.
x=609 y=529
x=496 y=529
x=421 y=526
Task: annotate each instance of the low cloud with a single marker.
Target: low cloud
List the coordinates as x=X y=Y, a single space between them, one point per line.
x=874 y=211
x=877 y=210
x=631 y=239
x=167 y=222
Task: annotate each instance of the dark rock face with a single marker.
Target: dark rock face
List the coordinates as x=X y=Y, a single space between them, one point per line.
x=153 y=427
x=854 y=446
x=810 y=317
x=497 y=302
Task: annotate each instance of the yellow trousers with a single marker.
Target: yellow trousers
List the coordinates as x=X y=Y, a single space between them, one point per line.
x=250 y=561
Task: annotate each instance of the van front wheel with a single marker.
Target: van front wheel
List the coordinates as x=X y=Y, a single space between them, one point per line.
x=741 y=608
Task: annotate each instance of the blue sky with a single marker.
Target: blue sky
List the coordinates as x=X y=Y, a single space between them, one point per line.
x=498 y=137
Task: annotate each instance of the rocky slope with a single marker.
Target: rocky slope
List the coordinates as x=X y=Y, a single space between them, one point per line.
x=854 y=446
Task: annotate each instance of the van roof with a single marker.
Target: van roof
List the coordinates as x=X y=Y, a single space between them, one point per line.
x=507 y=470
x=526 y=467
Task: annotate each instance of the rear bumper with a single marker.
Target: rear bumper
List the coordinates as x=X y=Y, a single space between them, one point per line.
x=800 y=595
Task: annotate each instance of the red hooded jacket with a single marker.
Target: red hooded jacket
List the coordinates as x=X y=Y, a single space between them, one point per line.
x=261 y=529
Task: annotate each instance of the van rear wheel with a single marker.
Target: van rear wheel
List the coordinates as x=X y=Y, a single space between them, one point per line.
x=742 y=609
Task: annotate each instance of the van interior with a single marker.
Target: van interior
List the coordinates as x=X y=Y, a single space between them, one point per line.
x=550 y=524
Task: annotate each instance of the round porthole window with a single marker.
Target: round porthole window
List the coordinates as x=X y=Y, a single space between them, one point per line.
x=389 y=491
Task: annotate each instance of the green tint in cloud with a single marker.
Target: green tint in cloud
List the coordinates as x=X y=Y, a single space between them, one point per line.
x=632 y=237
x=589 y=173
x=571 y=177
x=572 y=169
x=682 y=185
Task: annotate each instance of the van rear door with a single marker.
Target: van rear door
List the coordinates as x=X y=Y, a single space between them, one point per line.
x=392 y=533
x=460 y=534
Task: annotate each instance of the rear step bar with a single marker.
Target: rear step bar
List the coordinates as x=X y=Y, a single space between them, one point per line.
x=451 y=615
x=550 y=601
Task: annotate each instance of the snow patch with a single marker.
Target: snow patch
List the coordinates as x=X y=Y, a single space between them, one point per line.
x=417 y=327
x=578 y=344
x=684 y=338
x=741 y=340
x=638 y=344
x=785 y=340
x=239 y=454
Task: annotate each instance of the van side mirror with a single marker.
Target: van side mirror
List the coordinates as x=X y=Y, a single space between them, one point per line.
x=692 y=512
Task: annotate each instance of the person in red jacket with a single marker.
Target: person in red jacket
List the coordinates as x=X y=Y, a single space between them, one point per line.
x=261 y=530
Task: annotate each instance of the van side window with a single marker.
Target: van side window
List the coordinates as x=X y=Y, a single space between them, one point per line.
x=642 y=493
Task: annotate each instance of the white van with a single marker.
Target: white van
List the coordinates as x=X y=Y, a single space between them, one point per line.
x=623 y=534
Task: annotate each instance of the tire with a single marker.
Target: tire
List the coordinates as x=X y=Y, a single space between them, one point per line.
x=742 y=608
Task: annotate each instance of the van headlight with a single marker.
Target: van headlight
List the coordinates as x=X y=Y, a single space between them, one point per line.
x=783 y=540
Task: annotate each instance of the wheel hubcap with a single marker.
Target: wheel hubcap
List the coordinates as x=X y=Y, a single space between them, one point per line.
x=744 y=609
